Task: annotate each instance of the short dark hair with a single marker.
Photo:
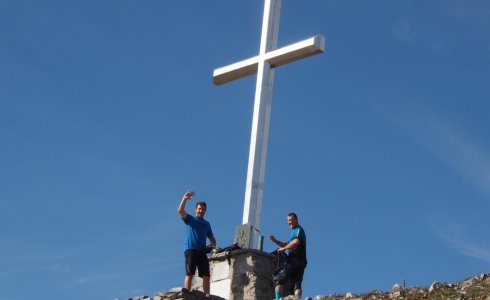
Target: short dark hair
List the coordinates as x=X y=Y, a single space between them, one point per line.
x=293 y=215
x=201 y=203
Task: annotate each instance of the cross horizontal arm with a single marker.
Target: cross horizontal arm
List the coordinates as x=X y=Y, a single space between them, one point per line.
x=275 y=58
x=236 y=71
x=296 y=51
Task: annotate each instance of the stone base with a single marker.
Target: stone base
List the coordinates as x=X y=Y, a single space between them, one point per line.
x=240 y=274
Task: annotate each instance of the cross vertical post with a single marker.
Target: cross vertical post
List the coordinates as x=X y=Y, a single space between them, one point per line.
x=264 y=66
x=254 y=187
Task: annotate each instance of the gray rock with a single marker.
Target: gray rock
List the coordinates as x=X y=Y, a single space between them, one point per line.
x=469 y=282
x=434 y=286
x=396 y=287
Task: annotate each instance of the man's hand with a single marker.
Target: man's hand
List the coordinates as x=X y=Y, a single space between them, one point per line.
x=272 y=238
x=188 y=195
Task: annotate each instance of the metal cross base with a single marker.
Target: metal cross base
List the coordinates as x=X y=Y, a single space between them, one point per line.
x=245 y=234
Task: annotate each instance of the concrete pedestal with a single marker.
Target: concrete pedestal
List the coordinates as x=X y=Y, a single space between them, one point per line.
x=240 y=274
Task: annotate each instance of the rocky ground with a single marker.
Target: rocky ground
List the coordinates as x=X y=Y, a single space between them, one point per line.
x=473 y=288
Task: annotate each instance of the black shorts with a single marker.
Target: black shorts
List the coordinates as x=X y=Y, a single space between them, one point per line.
x=196 y=259
x=296 y=269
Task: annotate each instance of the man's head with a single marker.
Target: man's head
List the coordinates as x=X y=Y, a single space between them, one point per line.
x=200 y=209
x=292 y=220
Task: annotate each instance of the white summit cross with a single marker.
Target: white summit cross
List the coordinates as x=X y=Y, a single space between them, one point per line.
x=263 y=65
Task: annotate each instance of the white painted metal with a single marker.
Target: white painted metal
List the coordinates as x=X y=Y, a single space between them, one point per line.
x=263 y=65
x=275 y=58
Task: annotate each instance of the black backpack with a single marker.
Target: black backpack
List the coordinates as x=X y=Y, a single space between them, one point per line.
x=280 y=274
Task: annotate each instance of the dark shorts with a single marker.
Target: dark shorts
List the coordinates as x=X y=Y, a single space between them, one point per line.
x=296 y=269
x=196 y=259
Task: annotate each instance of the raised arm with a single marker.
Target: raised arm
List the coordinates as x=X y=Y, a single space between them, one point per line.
x=188 y=195
x=278 y=242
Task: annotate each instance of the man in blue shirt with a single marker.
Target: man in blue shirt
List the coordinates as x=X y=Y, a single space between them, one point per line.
x=296 y=263
x=197 y=230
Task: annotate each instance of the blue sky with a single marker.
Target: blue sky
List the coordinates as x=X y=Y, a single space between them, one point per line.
x=108 y=114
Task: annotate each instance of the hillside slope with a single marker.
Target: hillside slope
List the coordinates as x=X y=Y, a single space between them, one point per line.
x=473 y=288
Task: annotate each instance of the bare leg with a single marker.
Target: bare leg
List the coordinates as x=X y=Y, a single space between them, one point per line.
x=205 y=284
x=188 y=281
x=278 y=291
x=297 y=294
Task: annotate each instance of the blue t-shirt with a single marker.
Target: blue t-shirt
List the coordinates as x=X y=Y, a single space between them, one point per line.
x=197 y=230
x=298 y=253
